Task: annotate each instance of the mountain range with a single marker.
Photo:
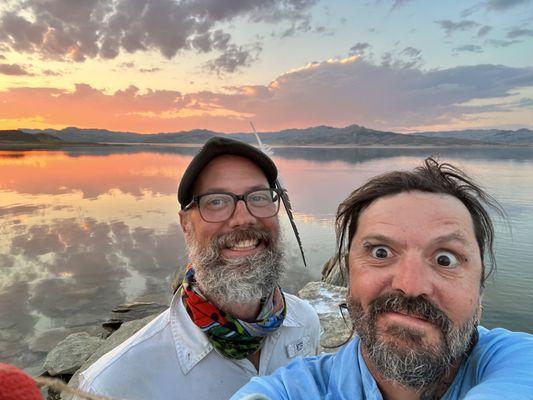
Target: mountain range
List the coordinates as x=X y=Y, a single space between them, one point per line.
x=353 y=135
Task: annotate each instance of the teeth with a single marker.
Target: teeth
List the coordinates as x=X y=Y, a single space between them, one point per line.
x=245 y=245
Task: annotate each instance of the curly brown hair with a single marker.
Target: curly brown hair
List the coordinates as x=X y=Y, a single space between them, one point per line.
x=431 y=177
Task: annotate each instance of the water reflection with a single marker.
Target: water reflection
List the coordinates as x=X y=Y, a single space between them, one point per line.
x=86 y=229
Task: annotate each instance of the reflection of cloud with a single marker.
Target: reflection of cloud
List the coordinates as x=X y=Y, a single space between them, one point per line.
x=101 y=175
x=13 y=211
x=37 y=241
x=17 y=322
x=84 y=268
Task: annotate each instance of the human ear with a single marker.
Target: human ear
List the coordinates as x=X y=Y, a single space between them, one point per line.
x=185 y=221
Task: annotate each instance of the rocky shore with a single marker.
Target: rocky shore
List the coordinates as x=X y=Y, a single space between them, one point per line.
x=79 y=350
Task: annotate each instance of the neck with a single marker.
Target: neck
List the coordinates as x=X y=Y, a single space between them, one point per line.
x=391 y=390
x=243 y=311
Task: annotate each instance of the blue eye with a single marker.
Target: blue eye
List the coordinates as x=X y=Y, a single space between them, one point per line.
x=215 y=201
x=446 y=259
x=380 y=252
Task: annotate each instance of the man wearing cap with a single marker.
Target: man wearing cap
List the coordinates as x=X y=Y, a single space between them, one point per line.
x=229 y=321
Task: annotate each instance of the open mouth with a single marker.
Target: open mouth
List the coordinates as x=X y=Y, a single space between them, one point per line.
x=244 y=245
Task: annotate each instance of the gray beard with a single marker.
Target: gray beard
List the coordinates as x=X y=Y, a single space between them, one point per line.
x=415 y=364
x=227 y=281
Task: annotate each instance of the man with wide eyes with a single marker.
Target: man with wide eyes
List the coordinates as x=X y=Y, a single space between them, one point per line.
x=229 y=321
x=420 y=247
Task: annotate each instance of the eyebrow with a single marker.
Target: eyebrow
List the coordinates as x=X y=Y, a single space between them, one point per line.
x=454 y=236
x=223 y=190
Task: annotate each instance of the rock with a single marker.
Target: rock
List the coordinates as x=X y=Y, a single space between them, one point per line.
x=124 y=332
x=325 y=299
x=132 y=311
x=47 y=340
x=332 y=273
x=70 y=353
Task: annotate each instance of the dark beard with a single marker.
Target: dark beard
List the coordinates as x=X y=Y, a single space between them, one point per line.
x=413 y=363
x=237 y=279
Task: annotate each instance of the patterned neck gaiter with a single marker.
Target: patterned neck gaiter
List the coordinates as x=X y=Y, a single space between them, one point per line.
x=230 y=336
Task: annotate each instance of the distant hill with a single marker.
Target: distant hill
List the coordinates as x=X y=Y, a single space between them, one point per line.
x=17 y=136
x=72 y=134
x=500 y=136
x=353 y=135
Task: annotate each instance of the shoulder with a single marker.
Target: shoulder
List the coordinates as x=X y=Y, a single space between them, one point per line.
x=302 y=378
x=500 y=363
x=116 y=365
x=499 y=342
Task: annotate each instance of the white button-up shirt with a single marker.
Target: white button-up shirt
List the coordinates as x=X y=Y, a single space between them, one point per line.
x=171 y=358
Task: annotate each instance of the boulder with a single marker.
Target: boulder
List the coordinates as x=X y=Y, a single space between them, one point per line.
x=325 y=299
x=124 y=332
x=333 y=274
x=70 y=353
x=130 y=312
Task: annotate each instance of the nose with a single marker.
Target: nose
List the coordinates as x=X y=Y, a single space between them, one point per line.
x=413 y=276
x=241 y=216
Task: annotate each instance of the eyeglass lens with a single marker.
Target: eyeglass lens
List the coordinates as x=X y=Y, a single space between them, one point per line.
x=218 y=207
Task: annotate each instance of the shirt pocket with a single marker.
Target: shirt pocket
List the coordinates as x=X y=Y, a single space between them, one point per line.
x=300 y=347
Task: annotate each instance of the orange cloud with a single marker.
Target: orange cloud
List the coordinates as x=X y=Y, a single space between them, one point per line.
x=334 y=92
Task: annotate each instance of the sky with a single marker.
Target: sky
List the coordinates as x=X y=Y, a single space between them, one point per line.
x=152 y=66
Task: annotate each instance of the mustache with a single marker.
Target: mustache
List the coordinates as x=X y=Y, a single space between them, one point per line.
x=419 y=307
x=230 y=239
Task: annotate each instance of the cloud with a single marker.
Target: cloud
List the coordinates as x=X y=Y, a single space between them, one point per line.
x=127 y=64
x=234 y=58
x=74 y=30
x=49 y=72
x=411 y=52
x=340 y=92
x=150 y=70
x=399 y=3
x=504 y=5
x=470 y=48
x=13 y=69
x=519 y=32
x=484 y=30
x=502 y=43
x=359 y=48
x=450 y=27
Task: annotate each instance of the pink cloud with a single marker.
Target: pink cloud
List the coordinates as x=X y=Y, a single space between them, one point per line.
x=336 y=92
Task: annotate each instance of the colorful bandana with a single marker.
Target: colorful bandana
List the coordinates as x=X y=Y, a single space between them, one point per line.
x=230 y=336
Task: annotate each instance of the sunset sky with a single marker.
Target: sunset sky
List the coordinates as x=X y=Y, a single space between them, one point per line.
x=166 y=65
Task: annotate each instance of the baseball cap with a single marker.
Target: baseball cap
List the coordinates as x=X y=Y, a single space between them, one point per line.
x=218 y=146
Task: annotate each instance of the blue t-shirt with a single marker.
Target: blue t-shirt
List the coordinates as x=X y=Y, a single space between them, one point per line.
x=500 y=366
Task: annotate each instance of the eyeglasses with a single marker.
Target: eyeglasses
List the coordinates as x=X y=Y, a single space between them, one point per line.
x=219 y=207
x=343 y=307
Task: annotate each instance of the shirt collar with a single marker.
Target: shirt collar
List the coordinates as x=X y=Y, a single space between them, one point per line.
x=192 y=344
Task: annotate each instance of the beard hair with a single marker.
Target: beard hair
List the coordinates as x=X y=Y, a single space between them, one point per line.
x=415 y=364
x=228 y=280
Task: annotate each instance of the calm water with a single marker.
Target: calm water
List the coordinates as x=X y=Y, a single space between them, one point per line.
x=84 y=230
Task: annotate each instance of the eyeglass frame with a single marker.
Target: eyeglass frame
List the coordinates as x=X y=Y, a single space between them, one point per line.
x=236 y=198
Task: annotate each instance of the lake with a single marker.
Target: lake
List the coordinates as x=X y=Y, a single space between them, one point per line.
x=86 y=229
